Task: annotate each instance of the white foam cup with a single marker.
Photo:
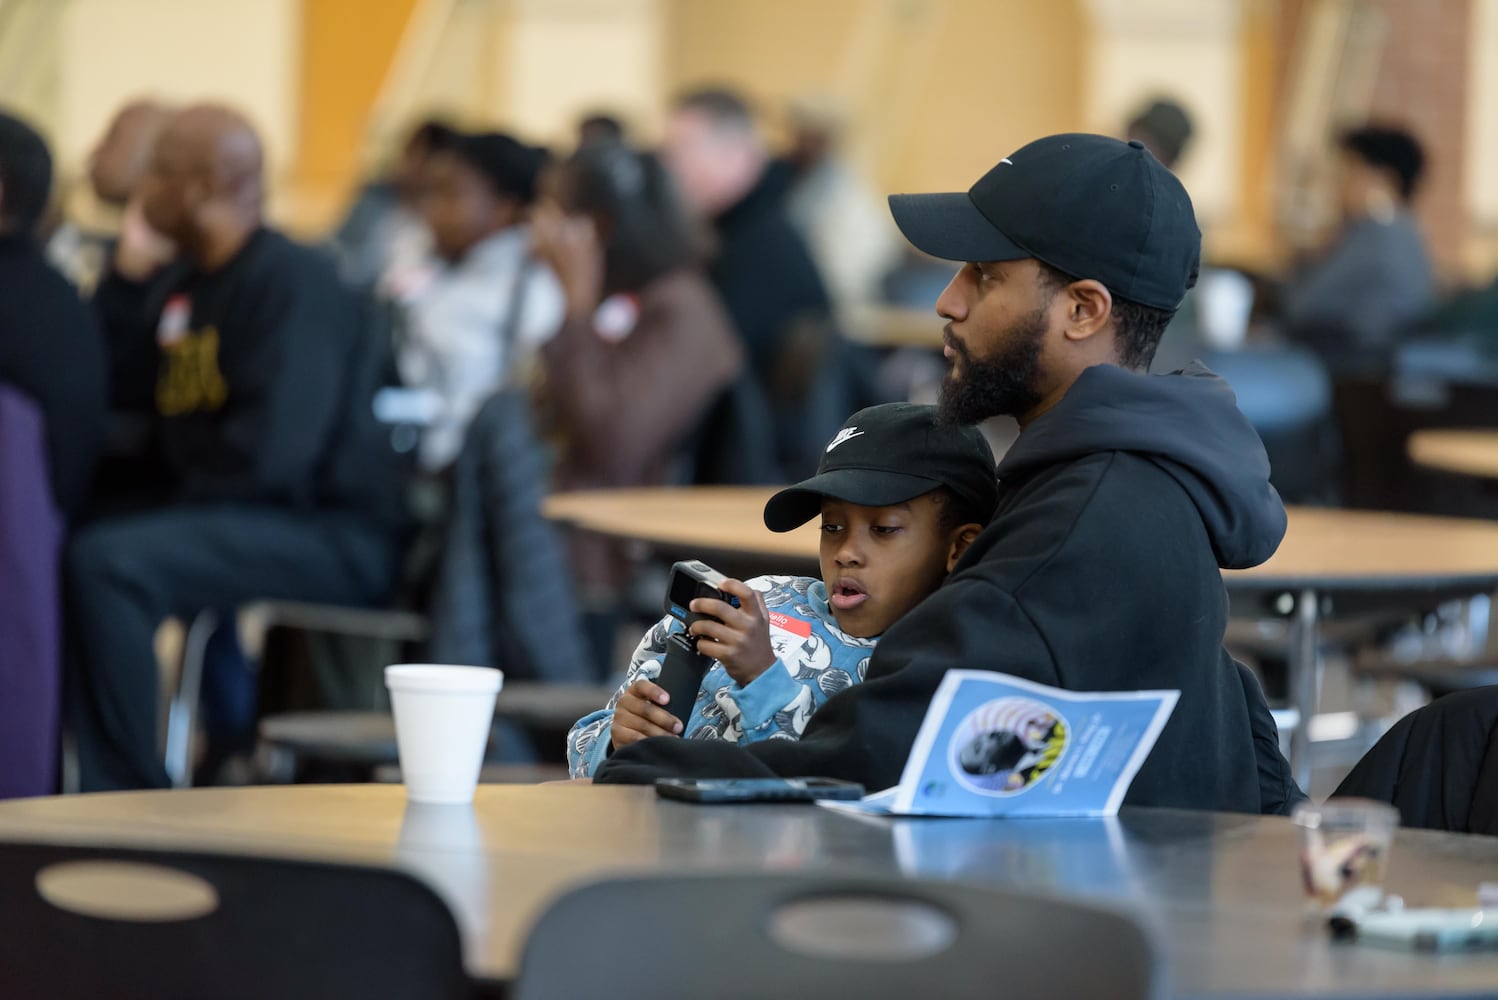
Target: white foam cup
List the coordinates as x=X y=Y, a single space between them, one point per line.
x=442 y=719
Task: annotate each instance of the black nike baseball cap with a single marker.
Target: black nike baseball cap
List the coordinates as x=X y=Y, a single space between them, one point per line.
x=1088 y=205
x=888 y=454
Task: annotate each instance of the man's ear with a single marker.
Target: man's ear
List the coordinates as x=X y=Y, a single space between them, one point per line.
x=1089 y=307
x=961 y=539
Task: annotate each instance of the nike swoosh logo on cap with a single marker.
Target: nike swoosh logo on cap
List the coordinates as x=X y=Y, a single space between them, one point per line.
x=846 y=434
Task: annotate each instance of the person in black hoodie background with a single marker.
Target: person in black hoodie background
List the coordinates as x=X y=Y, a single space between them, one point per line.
x=275 y=482
x=1121 y=500
x=50 y=348
x=763 y=272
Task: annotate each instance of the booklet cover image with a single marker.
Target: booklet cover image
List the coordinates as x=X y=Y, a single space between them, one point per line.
x=998 y=745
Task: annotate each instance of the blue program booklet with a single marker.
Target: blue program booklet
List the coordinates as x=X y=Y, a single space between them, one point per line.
x=995 y=745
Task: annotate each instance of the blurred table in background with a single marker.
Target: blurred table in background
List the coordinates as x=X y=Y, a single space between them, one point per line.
x=893 y=326
x=1464 y=452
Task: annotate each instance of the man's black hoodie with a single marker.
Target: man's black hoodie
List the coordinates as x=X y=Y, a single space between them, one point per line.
x=1098 y=572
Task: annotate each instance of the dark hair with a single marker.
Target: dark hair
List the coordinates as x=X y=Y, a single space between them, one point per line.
x=1137 y=328
x=510 y=166
x=957 y=511
x=432 y=135
x=608 y=126
x=724 y=107
x=25 y=176
x=1388 y=149
x=645 y=230
x=1168 y=124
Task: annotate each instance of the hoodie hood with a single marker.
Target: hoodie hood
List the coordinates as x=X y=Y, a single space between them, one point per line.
x=1187 y=423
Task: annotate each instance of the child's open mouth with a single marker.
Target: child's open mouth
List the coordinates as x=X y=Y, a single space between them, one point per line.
x=847 y=594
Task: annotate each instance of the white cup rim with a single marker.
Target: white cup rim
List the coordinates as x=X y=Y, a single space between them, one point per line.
x=443 y=677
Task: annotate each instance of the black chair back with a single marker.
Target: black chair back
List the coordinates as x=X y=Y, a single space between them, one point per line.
x=88 y=922
x=759 y=935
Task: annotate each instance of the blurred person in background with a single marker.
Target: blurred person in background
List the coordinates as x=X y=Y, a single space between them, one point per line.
x=599 y=126
x=275 y=481
x=1165 y=129
x=1373 y=279
x=384 y=227
x=846 y=227
x=50 y=347
x=115 y=167
x=763 y=271
x=644 y=350
x=478 y=310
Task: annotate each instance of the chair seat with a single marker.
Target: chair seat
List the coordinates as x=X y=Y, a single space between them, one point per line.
x=1439 y=676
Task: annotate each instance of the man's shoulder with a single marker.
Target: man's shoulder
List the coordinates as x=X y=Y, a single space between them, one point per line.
x=280 y=257
x=1104 y=506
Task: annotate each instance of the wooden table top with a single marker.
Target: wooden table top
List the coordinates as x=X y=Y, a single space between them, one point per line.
x=1323 y=547
x=1467 y=452
x=1224 y=890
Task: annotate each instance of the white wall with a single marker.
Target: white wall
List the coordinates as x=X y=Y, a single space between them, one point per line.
x=240 y=52
x=568 y=57
x=1187 y=50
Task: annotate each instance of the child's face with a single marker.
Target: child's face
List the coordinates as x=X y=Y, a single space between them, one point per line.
x=879 y=562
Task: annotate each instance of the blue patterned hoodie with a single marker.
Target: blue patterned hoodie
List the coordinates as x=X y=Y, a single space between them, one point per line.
x=815 y=660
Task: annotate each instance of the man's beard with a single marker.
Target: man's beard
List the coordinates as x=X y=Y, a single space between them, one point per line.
x=1001 y=384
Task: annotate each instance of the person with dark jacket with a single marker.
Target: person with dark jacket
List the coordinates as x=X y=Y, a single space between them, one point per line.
x=1123 y=497
x=52 y=418
x=50 y=347
x=275 y=481
x=762 y=269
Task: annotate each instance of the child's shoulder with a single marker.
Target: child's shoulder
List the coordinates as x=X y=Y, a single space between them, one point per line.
x=798 y=586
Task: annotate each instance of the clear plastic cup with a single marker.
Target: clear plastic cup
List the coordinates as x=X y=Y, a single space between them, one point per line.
x=442 y=719
x=1344 y=845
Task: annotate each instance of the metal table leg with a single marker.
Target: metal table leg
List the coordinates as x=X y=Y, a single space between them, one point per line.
x=1304 y=668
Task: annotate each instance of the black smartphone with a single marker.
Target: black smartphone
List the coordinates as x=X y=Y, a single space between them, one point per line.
x=683 y=668
x=711 y=790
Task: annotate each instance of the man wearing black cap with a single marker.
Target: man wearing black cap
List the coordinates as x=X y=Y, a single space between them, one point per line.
x=1120 y=502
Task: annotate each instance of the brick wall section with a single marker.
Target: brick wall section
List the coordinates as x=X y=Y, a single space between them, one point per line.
x=1422 y=86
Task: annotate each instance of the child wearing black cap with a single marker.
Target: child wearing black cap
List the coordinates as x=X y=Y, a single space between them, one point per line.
x=900 y=497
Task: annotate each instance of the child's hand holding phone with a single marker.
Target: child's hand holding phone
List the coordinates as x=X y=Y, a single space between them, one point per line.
x=638 y=715
x=740 y=638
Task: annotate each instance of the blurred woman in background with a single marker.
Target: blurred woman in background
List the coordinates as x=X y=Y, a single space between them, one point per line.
x=645 y=347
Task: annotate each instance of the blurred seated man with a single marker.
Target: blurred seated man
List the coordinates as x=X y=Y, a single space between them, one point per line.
x=50 y=348
x=275 y=482
x=762 y=268
x=1374 y=278
x=114 y=169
